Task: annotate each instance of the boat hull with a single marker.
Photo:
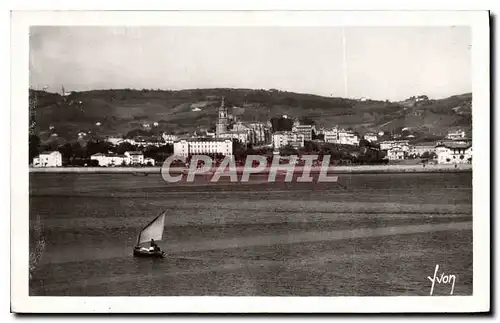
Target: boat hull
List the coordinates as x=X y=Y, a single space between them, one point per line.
x=149 y=254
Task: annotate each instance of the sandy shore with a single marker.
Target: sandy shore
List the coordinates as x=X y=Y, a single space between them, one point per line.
x=364 y=169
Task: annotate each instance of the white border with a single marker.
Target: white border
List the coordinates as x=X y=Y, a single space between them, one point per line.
x=21 y=302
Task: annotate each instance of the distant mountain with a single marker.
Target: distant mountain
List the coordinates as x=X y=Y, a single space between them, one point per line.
x=116 y=112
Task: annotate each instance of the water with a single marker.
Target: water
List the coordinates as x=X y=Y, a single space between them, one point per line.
x=377 y=234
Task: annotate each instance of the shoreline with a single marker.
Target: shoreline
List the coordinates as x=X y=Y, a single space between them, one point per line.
x=361 y=169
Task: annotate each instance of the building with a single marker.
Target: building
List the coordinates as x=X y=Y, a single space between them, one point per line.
x=386 y=145
x=168 y=138
x=134 y=157
x=347 y=137
x=241 y=136
x=200 y=146
x=419 y=149
x=454 y=153
x=331 y=135
x=240 y=126
x=222 y=121
x=114 y=140
x=149 y=161
x=396 y=153
x=284 y=138
x=304 y=129
x=101 y=159
x=48 y=159
x=146 y=143
x=261 y=134
x=370 y=136
x=456 y=135
x=109 y=160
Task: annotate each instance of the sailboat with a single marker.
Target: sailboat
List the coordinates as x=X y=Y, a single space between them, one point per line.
x=154 y=230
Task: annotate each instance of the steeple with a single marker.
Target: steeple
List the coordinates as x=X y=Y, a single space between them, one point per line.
x=222 y=121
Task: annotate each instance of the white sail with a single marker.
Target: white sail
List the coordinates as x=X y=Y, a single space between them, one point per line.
x=153 y=230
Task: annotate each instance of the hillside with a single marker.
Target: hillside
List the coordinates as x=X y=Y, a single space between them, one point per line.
x=116 y=112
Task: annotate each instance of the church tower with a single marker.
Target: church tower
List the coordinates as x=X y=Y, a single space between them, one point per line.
x=222 y=120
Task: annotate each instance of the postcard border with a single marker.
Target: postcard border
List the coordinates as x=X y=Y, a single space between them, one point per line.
x=22 y=302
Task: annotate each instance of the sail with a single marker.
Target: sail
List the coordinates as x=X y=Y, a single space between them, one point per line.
x=153 y=230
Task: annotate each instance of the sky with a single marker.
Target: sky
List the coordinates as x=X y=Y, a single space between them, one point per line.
x=383 y=63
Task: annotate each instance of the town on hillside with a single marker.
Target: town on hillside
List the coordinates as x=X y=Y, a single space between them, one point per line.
x=282 y=135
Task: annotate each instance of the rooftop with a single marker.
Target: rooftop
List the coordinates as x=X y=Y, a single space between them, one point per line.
x=425 y=144
x=455 y=145
x=49 y=152
x=204 y=139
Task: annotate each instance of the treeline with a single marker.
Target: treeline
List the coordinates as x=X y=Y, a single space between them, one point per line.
x=233 y=96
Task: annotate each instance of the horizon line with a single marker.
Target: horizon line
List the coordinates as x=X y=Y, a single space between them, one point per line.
x=251 y=89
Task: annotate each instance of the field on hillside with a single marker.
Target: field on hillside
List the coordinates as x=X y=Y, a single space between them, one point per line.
x=119 y=111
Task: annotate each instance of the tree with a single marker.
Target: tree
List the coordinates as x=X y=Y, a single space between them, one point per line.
x=307 y=121
x=67 y=152
x=288 y=150
x=34 y=145
x=426 y=155
x=77 y=150
x=98 y=146
x=123 y=147
x=93 y=163
x=159 y=154
x=310 y=146
x=364 y=143
x=281 y=124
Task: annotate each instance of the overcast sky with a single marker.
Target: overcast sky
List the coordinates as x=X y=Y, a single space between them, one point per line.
x=380 y=62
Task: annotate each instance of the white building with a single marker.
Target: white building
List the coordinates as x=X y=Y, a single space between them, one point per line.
x=261 y=133
x=331 y=135
x=149 y=161
x=146 y=143
x=284 y=138
x=396 y=153
x=421 y=148
x=107 y=160
x=304 y=129
x=456 y=135
x=386 y=145
x=241 y=135
x=200 y=146
x=347 y=137
x=169 y=139
x=114 y=140
x=48 y=159
x=454 y=153
x=134 y=157
x=371 y=137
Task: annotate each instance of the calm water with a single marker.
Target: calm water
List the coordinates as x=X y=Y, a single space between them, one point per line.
x=378 y=234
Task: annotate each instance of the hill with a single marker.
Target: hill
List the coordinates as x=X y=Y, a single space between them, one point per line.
x=116 y=112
